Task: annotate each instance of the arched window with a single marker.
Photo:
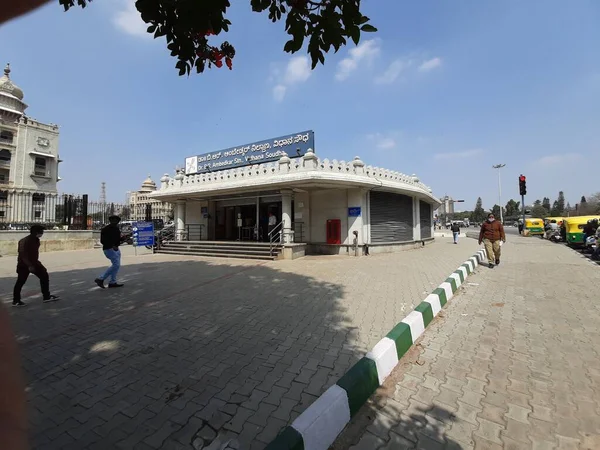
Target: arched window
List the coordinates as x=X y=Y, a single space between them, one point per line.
x=38 y=198
x=6 y=136
x=5 y=156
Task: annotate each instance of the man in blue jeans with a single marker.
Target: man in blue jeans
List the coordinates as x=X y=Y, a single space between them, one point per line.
x=110 y=237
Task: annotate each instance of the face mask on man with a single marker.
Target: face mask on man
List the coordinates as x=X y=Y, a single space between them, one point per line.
x=490 y=219
x=39 y=235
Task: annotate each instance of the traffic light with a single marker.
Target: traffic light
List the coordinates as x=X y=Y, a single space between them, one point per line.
x=522 y=185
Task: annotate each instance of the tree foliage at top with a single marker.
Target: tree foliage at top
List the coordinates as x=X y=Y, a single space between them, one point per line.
x=546 y=204
x=189 y=25
x=512 y=208
x=478 y=214
x=538 y=211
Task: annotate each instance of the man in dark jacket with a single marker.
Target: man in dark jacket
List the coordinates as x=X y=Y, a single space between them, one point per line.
x=28 y=261
x=492 y=234
x=455 y=228
x=110 y=237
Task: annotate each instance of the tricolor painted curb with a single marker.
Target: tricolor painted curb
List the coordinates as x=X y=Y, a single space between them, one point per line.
x=321 y=423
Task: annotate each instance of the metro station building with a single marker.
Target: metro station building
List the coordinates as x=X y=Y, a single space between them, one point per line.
x=280 y=189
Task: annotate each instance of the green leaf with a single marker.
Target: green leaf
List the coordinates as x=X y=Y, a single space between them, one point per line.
x=354 y=33
x=151 y=29
x=368 y=28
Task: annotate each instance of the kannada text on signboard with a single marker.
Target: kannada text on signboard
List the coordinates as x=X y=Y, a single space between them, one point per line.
x=293 y=146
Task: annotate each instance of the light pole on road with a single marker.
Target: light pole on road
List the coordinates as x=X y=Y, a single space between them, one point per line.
x=499 y=166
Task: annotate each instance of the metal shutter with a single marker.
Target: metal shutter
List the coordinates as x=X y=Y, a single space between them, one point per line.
x=425 y=209
x=391 y=217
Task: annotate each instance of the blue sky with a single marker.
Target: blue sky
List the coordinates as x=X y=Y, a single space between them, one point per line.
x=445 y=90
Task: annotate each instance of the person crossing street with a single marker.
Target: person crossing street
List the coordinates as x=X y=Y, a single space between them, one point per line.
x=28 y=261
x=492 y=235
x=110 y=237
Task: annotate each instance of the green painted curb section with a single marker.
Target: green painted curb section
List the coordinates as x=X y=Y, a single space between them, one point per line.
x=468 y=267
x=288 y=439
x=425 y=309
x=452 y=283
x=400 y=334
x=441 y=293
x=359 y=383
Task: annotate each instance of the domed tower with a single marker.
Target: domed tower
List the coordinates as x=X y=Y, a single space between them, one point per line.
x=12 y=106
x=148 y=186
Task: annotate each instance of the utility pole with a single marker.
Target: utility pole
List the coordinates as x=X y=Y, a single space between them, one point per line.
x=499 y=166
x=103 y=202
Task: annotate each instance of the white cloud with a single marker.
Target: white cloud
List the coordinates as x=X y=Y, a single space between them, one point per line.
x=430 y=64
x=297 y=71
x=129 y=20
x=393 y=71
x=382 y=142
x=279 y=92
x=564 y=158
x=458 y=155
x=364 y=52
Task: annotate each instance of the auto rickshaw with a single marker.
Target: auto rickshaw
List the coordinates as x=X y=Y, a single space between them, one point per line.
x=574 y=229
x=559 y=220
x=534 y=227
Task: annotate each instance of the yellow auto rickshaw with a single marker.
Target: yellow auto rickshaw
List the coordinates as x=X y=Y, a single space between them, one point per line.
x=559 y=220
x=534 y=227
x=573 y=227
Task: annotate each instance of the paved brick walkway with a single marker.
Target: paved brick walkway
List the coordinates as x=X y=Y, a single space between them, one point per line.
x=513 y=363
x=204 y=353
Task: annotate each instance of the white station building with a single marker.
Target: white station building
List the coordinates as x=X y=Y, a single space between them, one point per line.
x=280 y=190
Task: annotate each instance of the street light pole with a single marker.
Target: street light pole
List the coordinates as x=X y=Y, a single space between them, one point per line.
x=499 y=166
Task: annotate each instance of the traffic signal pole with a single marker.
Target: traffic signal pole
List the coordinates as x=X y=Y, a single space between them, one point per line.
x=523 y=203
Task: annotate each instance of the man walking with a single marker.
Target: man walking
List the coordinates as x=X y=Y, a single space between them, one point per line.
x=455 y=231
x=110 y=237
x=492 y=234
x=28 y=261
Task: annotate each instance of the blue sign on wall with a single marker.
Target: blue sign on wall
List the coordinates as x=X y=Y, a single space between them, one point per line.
x=354 y=211
x=292 y=145
x=143 y=234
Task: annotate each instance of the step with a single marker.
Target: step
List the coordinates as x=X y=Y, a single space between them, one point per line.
x=217 y=255
x=225 y=243
x=239 y=251
x=230 y=248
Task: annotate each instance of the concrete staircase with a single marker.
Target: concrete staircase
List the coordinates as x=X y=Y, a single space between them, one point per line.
x=219 y=249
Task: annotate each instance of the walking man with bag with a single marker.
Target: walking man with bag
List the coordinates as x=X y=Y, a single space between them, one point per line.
x=492 y=235
x=110 y=238
x=455 y=228
x=28 y=261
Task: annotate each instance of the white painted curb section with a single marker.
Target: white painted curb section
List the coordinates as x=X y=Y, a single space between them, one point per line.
x=448 y=288
x=321 y=423
x=434 y=301
x=385 y=356
x=415 y=321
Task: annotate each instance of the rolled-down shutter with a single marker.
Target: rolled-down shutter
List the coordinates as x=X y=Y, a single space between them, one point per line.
x=425 y=211
x=391 y=217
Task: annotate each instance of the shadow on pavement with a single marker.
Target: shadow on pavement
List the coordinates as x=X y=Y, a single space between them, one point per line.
x=392 y=426
x=188 y=352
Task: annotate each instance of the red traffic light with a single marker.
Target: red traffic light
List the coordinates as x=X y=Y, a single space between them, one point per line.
x=522 y=178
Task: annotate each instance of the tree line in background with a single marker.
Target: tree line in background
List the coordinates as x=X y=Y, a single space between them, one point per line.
x=541 y=208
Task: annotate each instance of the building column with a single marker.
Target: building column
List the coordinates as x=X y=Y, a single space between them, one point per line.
x=286 y=215
x=416 y=219
x=179 y=220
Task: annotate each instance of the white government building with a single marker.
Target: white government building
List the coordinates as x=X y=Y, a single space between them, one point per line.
x=28 y=160
x=137 y=202
x=318 y=206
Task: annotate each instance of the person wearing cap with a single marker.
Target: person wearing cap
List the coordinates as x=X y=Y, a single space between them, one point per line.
x=110 y=238
x=492 y=234
x=28 y=261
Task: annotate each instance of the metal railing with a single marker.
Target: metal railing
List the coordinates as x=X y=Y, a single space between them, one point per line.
x=194 y=232
x=275 y=236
